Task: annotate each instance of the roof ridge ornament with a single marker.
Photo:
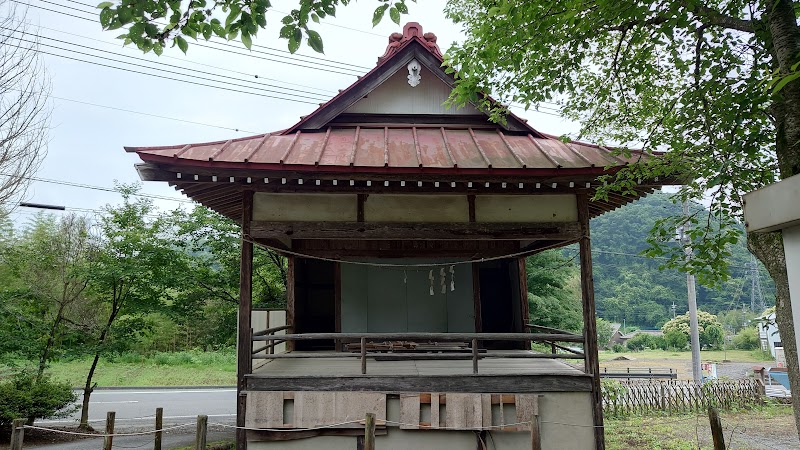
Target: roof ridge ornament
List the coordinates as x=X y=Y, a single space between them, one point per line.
x=411 y=31
x=414 y=75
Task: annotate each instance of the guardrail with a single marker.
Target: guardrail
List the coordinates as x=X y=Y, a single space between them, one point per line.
x=473 y=338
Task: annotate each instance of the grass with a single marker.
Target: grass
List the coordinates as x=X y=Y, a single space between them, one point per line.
x=706 y=355
x=767 y=427
x=221 y=445
x=188 y=368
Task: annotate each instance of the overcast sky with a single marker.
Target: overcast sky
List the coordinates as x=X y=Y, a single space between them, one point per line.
x=86 y=141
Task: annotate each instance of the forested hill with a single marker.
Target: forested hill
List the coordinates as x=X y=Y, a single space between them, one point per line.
x=630 y=287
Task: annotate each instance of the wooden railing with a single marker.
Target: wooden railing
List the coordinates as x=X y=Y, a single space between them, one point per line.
x=473 y=338
x=269 y=347
x=553 y=346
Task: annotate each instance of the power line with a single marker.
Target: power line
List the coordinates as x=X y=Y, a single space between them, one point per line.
x=96 y=188
x=323 y=67
x=151 y=115
x=173 y=79
x=317 y=97
x=225 y=69
x=292 y=55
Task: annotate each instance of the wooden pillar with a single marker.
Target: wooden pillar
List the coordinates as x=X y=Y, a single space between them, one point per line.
x=337 y=281
x=244 y=341
x=476 y=297
x=592 y=363
x=523 y=294
x=291 y=266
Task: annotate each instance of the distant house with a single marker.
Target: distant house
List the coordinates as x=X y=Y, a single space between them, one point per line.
x=619 y=338
x=771 y=338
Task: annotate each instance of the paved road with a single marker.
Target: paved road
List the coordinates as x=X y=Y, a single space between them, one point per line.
x=136 y=408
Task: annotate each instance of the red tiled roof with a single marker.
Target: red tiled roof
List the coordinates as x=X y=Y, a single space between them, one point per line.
x=397 y=147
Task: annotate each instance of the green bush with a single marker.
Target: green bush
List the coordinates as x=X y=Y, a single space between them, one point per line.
x=676 y=339
x=639 y=342
x=21 y=396
x=747 y=339
x=617 y=348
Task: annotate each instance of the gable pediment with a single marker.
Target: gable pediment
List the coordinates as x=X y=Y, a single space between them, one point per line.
x=385 y=91
x=397 y=96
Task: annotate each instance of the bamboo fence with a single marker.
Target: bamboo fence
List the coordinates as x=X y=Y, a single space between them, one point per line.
x=621 y=398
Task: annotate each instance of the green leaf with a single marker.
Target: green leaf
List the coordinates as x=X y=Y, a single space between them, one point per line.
x=106 y=15
x=182 y=44
x=784 y=81
x=394 y=14
x=233 y=15
x=377 y=16
x=286 y=31
x=294 y=44
x=105 y=5
x=401 y=7
x=125 y=15
x=158 y=48
x=315 y=18
x=207 y=30
x=246 y=40
x=315 y=41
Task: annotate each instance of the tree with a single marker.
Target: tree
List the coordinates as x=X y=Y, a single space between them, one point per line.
x=154 y=25
x=604 y=332
x=747 y=339
x=676 y=339
x=711 y=334
x=553 y=294
x=132 y=274
x=687 y=76
x=24 y=110
x=50 y=260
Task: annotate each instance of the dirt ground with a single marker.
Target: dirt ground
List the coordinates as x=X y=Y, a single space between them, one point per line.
x=769 y=428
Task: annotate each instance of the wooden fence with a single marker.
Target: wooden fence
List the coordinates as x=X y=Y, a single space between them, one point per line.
x=621 y=398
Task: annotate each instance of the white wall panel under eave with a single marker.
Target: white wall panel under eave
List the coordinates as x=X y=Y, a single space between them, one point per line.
x=396 y=96
x=526 y=208
x=305 y=207
x=416 y=208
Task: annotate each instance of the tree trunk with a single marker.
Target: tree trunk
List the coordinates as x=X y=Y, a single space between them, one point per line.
x=768 y=247
x=784 y=35
x=88 y=388
x=50 y=341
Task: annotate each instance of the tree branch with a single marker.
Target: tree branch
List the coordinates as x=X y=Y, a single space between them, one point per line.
x=711 y=17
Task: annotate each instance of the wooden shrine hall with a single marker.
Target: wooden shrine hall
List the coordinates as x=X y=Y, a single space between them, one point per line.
x=406 y=225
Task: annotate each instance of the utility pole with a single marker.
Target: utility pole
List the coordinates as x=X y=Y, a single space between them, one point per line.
x=673 y=309
x=693 y=325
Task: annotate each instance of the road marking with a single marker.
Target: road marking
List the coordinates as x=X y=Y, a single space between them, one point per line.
x=162 y=391
x=109 y=403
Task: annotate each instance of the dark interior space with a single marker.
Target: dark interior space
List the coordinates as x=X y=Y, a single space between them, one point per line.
x=499 y=298
x=315 y=301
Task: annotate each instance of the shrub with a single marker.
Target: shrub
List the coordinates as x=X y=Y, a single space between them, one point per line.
x=618 y=348
x=639 y=342
x=676 y=339
x=747 y=339
x=21 y=396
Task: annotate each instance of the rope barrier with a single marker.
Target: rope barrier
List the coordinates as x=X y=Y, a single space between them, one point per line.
x=391 y=265
x=322 y=427
x=78 y=433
